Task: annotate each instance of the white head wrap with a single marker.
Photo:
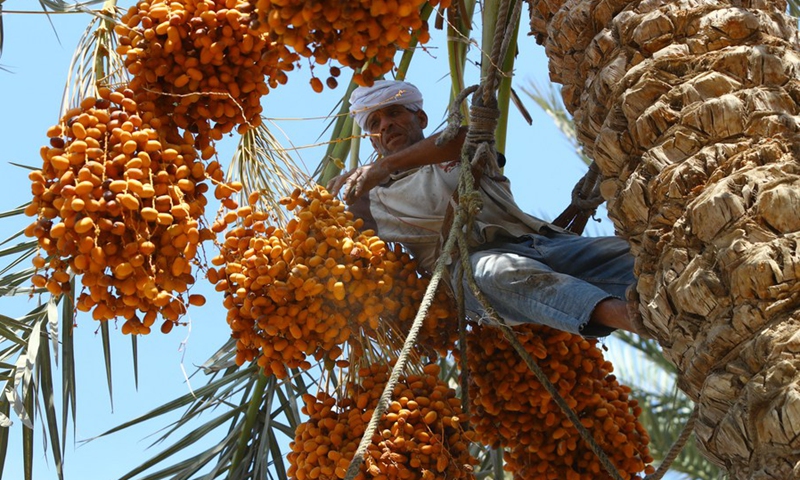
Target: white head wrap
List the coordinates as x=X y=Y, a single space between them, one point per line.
x=365 y=100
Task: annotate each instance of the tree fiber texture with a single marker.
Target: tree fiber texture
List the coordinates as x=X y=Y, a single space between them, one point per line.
x=690 y=108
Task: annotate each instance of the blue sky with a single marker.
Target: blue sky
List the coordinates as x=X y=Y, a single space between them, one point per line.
x=36 y=55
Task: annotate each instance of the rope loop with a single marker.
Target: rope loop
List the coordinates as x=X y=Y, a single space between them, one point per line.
x=455 y=118
x=586 y=193
x=471 y=203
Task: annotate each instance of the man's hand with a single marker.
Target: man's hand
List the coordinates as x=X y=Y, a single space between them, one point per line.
x=358 y=181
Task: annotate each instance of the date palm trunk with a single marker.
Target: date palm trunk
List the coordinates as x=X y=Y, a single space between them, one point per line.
x=690 y=109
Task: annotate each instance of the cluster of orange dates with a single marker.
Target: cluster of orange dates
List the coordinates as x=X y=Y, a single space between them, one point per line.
x=119 y=200
x=510 y=408
x=356 y=34
x=197 y=63
x=315 y=285
x=422 y=435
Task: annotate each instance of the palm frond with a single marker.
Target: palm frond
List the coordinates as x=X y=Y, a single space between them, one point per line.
x=340 y=141
x=459 y=28
x=794 y=8
x=262 y=165
x=30 y=350
x=20 y=361
x=648 y=348
x=261 y=414
x=95 y=62
x=68 y=384
x=47 y=387
x=29 y=377
x=549 y=100
x=665 y=409
x=664 y=415
x=62 y=7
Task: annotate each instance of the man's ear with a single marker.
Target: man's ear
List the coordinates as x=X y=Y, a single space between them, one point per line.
x=423 y=118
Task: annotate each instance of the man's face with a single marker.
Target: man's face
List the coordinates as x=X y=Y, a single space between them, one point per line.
x=395 y=127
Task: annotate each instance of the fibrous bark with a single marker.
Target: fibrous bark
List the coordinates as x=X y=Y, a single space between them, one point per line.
x=690 y=108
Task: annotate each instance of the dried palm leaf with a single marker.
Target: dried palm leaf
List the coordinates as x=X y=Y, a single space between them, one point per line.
x=263 y=165
x=95 y=62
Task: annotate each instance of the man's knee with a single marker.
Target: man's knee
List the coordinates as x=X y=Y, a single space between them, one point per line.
x=491 y=269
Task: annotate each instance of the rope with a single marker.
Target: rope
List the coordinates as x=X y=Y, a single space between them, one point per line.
x=482 y=124
x=463 y=377
x=586 y=198
x=677 y=447
x=504 y=31
x=497 y=45
x=509 y=33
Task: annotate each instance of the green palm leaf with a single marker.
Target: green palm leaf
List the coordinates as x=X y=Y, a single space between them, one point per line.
x=62 y=6
x=548 y=98
x=260 y=414
x=56 y=6
x=29 y=346
x=794 y=8
x=25 y=362
x=665 y=409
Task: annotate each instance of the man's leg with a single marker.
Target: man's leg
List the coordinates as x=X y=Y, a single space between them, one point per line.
x=613 y=313
x=605 y=262
x=582 y=295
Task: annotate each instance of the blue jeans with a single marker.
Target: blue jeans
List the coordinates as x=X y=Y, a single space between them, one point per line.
x=554 y=279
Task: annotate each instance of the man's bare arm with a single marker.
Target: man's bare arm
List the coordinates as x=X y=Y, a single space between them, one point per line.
x=361 y=180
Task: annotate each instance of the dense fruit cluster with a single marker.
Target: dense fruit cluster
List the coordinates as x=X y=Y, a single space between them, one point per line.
x=421 y=436
x=198 y=62
x=119 y=202
x=350 y=33
x=314 y=285
x=510 y=408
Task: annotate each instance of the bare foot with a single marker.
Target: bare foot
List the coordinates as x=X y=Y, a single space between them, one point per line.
x=613 y=312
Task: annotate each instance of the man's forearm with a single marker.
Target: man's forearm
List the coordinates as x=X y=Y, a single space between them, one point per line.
x=424 y=152
x=361 y=180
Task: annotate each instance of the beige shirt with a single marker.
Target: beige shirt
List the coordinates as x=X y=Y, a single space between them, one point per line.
x=410 y=208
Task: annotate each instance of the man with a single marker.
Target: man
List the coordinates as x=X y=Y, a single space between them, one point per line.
x=529 y=270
